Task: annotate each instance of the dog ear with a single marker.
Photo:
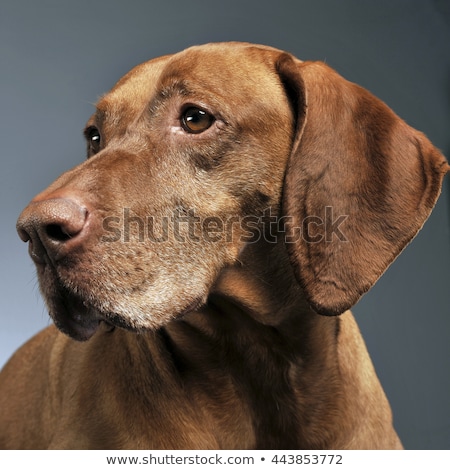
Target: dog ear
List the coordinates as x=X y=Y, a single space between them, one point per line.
x=359 y=185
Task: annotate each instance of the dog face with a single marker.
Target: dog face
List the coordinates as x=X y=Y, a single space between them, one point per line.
x=178 y=156
x=185 y=156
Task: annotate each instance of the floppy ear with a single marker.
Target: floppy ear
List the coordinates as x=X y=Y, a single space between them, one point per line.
x=359 y=185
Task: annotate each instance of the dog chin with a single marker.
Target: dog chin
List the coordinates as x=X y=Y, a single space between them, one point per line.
x=78 y=319
x=141 y=322
x=78 y=330
x=72 y=316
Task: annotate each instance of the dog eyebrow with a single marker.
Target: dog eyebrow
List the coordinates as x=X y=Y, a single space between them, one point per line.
x=175 y=86
x=104 y=114
x=98 y=118
x=171 y=87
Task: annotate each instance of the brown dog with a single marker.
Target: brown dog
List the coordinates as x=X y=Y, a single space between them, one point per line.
x=235 y=203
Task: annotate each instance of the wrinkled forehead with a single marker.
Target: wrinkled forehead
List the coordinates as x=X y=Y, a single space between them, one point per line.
x=231 y=74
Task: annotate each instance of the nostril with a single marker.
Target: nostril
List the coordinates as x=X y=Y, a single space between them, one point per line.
x=57 y=232
x=67 y=220
x=23 y=234
x=53 y=227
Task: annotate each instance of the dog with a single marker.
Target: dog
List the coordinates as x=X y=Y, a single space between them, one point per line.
x=199 y=266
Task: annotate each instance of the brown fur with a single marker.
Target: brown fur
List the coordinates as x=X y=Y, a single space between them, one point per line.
x=211 y=339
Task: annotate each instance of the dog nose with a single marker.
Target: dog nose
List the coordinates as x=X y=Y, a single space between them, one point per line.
x=53 y=227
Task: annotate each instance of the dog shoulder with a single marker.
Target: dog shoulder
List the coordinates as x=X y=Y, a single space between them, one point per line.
x=24 y=391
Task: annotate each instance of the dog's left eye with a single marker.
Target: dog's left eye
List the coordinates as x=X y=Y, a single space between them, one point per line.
x=195 y=120
x=94 y=139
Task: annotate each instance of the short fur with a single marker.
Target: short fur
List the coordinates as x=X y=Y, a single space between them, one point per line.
x=235 y=336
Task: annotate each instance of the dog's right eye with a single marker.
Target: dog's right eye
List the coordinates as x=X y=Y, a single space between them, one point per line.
x=195 y=120
x=94 y=139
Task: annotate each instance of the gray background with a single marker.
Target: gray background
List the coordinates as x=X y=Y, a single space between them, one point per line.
x=57 y=57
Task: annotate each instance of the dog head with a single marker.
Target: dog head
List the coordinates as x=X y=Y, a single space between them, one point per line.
x=188 y=152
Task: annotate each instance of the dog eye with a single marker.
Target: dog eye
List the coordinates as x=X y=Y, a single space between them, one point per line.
x=93 y=139
x=195 y=120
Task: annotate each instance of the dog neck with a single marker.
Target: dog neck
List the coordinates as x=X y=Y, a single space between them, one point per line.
x=257 y=312
x=263 y=283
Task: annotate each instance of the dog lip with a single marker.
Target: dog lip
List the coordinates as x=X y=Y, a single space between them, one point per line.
x=74 y=317
x=80 y=331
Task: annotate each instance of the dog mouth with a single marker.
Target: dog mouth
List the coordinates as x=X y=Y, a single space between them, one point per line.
x=74 y=316
x=77 y=315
